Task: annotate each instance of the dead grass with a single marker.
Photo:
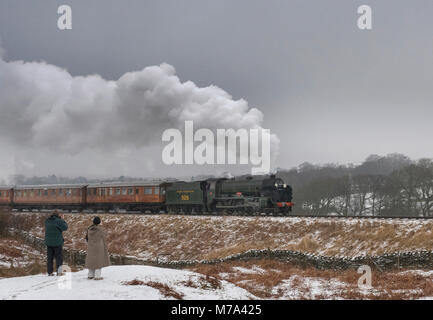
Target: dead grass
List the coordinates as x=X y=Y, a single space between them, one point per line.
x=307 y=244
x=192 y=237
x=22 y=260
x=209 y=282
x=134 y=282
x=266 y=284
x=25 y=222
x=165 y=290
x=31 y=269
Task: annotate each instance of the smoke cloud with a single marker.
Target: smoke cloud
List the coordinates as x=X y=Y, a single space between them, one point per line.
x=44 y=107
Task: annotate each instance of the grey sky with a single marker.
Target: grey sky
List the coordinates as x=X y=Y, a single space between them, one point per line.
x=329 y=91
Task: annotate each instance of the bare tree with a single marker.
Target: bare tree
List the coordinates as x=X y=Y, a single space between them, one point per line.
x=423 y=175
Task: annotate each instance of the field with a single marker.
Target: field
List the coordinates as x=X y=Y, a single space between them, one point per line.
x=18 y=259
x=271 y=279
x=259 y=279
x=194 y=237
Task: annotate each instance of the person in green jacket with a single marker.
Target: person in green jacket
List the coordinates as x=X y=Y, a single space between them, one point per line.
x=54 y=226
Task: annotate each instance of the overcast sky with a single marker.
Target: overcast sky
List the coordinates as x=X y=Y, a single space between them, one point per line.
x=329 y=91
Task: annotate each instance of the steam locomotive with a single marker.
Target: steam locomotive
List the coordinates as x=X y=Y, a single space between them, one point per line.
x=247 y=195
x=238 y=196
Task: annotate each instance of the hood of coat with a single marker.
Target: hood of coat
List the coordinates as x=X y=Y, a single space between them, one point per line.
x=94 y=228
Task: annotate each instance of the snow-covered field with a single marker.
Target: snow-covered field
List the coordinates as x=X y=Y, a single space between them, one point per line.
x=195 y=237
x=121 y=282
x=15 y=254
x=268 y=280
x=273 y=279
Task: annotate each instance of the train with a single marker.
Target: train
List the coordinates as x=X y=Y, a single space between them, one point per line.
x=248 y=195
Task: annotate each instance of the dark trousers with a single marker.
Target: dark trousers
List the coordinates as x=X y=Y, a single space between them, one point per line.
x=54 y=252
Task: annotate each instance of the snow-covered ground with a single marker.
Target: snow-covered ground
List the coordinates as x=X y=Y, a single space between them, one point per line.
x=150 y=286
x=195 y=237
x=249 y=281
x=15 y=254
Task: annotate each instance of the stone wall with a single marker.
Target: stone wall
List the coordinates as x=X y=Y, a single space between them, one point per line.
x=413 y=259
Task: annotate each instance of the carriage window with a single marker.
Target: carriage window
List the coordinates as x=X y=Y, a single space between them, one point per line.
x=130 y=192
x=118 y=191
x=45 y=192
x=137 y=191
x=69 y=192
x=1 y=194
x=60 y=192
x=124 y=191
x=53 y=193
x=147 y=190
x=111 y=191
x=156 y=190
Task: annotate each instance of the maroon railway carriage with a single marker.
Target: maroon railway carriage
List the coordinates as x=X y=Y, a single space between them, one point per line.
x=66 y=197
x=6 y=196
x=130 y=196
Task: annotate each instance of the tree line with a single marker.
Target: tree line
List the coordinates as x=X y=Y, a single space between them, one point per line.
x=393 y=185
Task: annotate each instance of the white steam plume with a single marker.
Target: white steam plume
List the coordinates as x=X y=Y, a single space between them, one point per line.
x=43 y=106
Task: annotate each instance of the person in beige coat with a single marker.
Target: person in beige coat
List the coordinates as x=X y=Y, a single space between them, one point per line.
x=97 y=253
